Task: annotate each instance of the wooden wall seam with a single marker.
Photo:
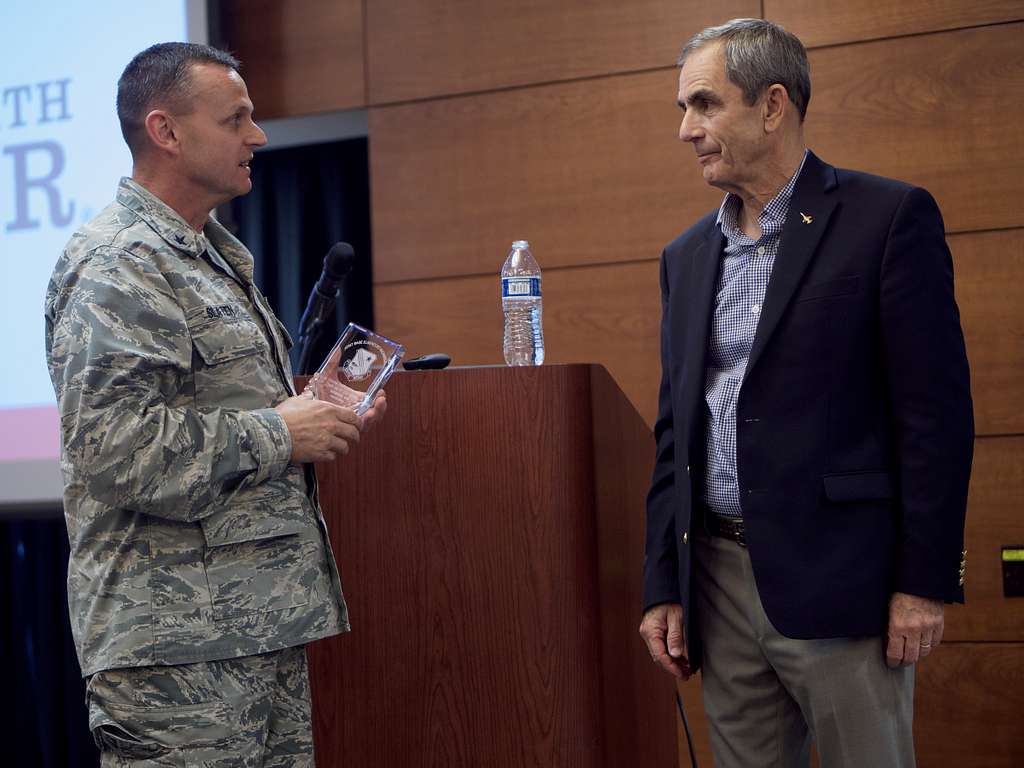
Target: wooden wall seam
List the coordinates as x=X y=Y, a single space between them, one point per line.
x=910 y=35
x=442 y=97
x=642 y=70
x=496 y=272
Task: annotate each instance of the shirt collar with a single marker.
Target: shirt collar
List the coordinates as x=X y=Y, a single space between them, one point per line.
x=774 y=211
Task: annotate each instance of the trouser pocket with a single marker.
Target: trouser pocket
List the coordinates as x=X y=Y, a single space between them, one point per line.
x=157 y=716
x=113 y=739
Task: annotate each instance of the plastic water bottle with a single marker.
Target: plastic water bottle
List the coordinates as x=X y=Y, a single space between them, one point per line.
x=520 y=298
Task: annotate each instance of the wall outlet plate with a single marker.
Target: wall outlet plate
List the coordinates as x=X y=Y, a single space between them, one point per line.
x=1013 y=571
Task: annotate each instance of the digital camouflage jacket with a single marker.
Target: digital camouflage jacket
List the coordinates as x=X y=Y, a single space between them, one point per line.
x=192 y=536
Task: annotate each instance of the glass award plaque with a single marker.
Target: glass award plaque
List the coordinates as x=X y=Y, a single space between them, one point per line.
x=356 y=369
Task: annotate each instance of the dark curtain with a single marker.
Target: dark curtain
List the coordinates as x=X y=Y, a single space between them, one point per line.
x=303 y=201
x=45 y=693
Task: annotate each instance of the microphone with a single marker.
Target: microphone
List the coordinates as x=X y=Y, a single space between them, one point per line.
x=323 y=299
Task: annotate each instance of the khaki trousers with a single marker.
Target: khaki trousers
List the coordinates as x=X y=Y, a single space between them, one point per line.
x=766 y=696
x=250 y=712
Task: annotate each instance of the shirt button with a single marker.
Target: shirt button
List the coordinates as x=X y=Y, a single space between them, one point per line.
x=756 y=308
x=686 y=537
x=760 y=251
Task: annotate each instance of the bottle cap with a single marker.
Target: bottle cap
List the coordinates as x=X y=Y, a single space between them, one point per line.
x=520 y=244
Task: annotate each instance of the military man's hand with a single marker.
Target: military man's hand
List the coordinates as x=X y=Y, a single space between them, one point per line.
x=376 y=411
x=662 y=630
x=915 y=628
x=320 y=431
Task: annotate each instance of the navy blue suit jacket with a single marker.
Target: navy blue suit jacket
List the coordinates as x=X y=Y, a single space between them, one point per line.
x=854 y=422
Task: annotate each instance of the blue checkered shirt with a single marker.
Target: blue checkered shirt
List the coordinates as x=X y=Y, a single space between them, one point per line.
x=742 y=282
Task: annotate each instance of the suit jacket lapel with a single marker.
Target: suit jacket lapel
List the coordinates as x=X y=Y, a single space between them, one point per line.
x=703 y=278
x=809 y=211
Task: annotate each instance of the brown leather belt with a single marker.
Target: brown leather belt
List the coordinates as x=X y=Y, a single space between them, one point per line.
x=727 y=528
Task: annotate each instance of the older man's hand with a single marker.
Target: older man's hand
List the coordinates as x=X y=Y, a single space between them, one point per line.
x=662 y=630
x=915 y=628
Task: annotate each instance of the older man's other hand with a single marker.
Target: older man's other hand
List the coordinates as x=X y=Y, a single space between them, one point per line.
x=915 y=628
x=662 y=630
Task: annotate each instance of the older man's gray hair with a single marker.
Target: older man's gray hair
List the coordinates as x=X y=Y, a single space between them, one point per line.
x=758 y=54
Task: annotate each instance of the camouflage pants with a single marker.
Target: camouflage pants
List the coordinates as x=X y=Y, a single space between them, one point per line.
x=251 y=712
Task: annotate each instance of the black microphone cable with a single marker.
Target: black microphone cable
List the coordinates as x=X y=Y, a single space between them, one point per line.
x=686 y=729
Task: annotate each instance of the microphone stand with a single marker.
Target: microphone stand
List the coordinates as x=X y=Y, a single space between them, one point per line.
x=306 y=342
x=323 y=300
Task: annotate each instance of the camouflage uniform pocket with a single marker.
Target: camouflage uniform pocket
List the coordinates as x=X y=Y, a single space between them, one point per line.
x=262 y=574
x=164 y=736
x=111 y=739
x=232 y=366
x=208 y=714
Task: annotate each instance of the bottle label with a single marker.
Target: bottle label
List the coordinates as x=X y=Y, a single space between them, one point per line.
x=520 y=287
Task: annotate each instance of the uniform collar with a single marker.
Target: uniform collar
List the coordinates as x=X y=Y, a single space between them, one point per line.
x=177 y=233
x=163 y=219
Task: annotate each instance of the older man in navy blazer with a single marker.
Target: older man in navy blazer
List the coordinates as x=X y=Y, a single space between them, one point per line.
x=814 y=436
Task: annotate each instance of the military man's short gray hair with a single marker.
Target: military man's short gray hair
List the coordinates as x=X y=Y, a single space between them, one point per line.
x=758 y=54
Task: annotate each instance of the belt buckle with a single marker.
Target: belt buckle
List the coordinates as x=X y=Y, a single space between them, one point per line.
x=735 y=531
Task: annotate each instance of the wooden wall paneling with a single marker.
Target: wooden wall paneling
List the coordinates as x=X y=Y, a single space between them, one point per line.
x=967 y=707
x=589 y=172
x=607 y=314
x=993 y=521
x=937 y=110
x=417 y=50
x=819 y=23
x=989 y=277
x=299 y=57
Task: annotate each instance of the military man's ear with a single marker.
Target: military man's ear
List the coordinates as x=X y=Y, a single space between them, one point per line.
x=774 y=105
x=162 y=131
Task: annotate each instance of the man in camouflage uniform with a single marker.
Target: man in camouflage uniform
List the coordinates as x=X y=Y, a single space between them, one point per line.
x=200 y=562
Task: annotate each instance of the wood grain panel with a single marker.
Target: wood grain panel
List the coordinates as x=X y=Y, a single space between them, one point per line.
x=604 y=314
x=623 y=463
x=989 y=274
x=993 y=521
x=589 y=172
x=968 y=704
x=475 y=628
x=819 y=23
x=937 y=110
x=493 y=591
x=299 y=57
x=417 y=50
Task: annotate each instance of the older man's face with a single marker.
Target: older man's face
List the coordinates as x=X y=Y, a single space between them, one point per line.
x=727 y=135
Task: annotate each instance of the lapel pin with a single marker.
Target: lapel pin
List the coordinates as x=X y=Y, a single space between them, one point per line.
x=807 y=219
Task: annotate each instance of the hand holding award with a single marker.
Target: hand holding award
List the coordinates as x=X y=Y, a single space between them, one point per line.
x=356 y=369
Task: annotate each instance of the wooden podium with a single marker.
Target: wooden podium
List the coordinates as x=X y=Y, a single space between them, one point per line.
x=489 y=533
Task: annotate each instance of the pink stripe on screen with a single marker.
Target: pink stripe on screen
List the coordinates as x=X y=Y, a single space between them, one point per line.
x=29 y=433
